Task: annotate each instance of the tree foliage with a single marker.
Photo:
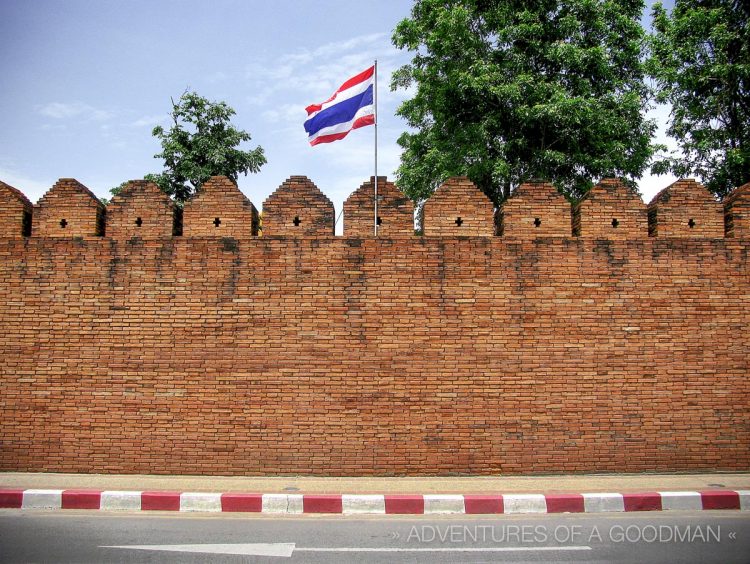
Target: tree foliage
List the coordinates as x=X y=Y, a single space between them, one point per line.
x=701 y=62
x=200 y=143
x=511 y=90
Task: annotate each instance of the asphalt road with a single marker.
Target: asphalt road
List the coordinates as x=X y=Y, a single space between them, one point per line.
x=79 y=536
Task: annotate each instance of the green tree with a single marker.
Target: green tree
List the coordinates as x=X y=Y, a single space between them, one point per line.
x=700 y=60
x=200 y=143
x=511 y=90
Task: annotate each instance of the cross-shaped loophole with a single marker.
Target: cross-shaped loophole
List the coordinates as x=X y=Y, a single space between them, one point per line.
x=63 y=223
x=139 y=221
x=691 y=223
x=537 y=222
x=217 y=222
x=615 y=223
x=459 y=221
x=296 y=221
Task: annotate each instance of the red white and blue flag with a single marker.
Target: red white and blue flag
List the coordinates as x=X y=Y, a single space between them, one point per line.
x=350 y=107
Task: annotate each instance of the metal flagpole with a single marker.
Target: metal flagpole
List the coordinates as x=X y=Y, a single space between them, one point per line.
x=375 y=96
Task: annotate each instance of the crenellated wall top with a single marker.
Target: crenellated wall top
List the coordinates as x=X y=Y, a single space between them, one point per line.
x=298 y=208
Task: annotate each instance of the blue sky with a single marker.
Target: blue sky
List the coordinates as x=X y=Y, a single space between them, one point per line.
x=85 y=81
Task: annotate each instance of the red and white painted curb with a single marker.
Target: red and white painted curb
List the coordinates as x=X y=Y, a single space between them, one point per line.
x=428 y=504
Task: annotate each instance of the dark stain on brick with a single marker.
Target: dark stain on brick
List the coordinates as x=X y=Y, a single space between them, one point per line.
x=311 y=370
x=230 y=244
x=114 y=264
x=605 y=247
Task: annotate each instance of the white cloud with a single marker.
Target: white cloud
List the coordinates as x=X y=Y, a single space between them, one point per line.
x=286 y=113
x=60 y=110
x=335 y=48
x=279 y=88
x=309 y=75
x=148 y=121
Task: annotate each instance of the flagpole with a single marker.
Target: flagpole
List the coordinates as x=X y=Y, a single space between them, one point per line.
x=375 y=96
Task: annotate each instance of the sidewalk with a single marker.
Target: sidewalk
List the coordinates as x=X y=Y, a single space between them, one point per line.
x=396 y=485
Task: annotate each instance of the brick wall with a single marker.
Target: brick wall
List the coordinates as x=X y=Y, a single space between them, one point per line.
x=395 y=211
x=610 y=211
x=141 y=209
x=371 y=357
x=535 y=209
x=737 y=212
x=359 y=356
x=458 y=207
x=15 y=212
x=685 y=209
x=298 y=209
x=220 y=209
x=68 y=209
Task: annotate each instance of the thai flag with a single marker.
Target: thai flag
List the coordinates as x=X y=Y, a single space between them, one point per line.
x=350 y=107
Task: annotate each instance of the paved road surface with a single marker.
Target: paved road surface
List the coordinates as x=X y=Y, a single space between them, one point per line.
x=74 y=536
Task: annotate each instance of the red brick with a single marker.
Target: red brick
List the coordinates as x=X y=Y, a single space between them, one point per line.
x=737 y=212
x=611 y=210
x=685 y=208
x=219 y=209
x=141 y=210
x=396 y=211
x=68 y=209
x=362 y=356
x=458 y=208
x=15 y=212
x=535 y=209
x=298 y=209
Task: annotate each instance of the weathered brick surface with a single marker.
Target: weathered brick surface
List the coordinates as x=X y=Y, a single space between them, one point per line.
x=395 y=211
x=737 y=212
x=685 y=209
x=535 y=209
x=298 y=209
x=458 y=207
x=68 y=209
x=342 y=356
x=610 y=211
x=15 y=212
x=142 y=210
x=220 y=209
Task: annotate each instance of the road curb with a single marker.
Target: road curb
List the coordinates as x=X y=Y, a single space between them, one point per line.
x=351 y=504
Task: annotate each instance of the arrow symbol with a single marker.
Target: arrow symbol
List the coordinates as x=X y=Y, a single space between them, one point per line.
x=395 y=535
x=732 y=535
